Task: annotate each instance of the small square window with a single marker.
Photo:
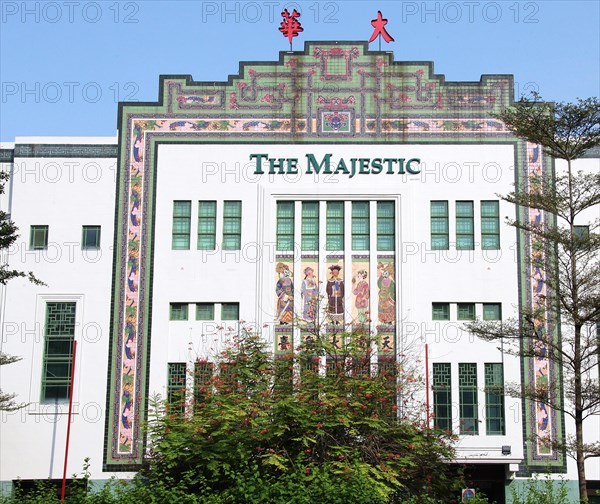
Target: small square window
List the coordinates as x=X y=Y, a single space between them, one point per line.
x=466 y=311
x=230 y=311
x=90 y=238
x=492 y=311
x=205 y=311
x=441 y=311
x=179 y=311
x=38 y=238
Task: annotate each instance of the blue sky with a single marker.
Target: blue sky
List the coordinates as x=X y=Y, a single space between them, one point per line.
x=64 y=65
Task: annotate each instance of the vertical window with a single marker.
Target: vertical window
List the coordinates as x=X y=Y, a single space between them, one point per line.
x=335 y=226
x=179 y=311
x=360 y=225
x=285 y=226
x=465 y=234
x=466 y=311
x=203 y=373
x=310 y=225
x=205 y=311
x=467 y=395
x=59 y=334
x=90 y=239
x=386 y=225
x=440 y=311
x=207 y=225
x=38 y=238
x=490 y=225
x=492 y=311
x=176 y=386
x=442 y=396
x=230 y=311
x=439 y=225
x=182 y=215
x=232 y=225
x=494 y=399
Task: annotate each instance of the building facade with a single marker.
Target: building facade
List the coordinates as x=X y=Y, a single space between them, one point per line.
x=335 y=180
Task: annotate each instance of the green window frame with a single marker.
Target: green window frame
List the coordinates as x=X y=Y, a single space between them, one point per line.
x=494 y=399
x=490 y=225
x=440 y=311
x=59 y=335
x=442 y=395
x=360 y=225
x=465 y=311
x=178 y=311
x=440 y=234
x=38 y=238
x=230 y=311
x=203 y=373
x=465 y=226
x=182 y=218
x=492 y=311
x=310 y=225
x=205 y=311
x=207 y=225
x=467 y=396
x=334 y=240
x=90 y=238
x=232 y=225
x=386 y=226
x=285 y=226
x=177 y=375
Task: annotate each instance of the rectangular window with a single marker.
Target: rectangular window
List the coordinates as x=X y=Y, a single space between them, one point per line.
x=232 y=225
x=386 y=226
x=466 y=311
x=38 y=238
x=492 y=311
x=335 y=226
x=90 y=239
x=59 y=334
x=442 y=396
x=494 y=399
x=360 y=225
x=179 y=311
x=176 y=386
x=439 y=226
x=203 y=373
x=182 y=216
x=581 y=232
x=465 y=230
x=230 y=311
x=467 y=395
x=310 y=225
x=285 y=226
x=490 y=225
x=205 y=311
x=440 y=311
x=207 y=225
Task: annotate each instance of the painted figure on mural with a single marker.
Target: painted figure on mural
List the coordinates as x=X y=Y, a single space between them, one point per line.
x=285 y=294
x=361 y=291
x=335 y=296
x=387 y=294
x=310 y=295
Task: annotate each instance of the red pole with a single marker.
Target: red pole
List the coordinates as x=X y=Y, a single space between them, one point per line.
x=427 y=383
x=64 y=479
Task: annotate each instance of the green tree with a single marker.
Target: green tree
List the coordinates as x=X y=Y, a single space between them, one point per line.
x=8 y=235
x=281 y=430
x=565 y=131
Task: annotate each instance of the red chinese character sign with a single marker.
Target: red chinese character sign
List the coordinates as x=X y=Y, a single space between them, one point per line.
x=290 y=26
x=380 y=31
